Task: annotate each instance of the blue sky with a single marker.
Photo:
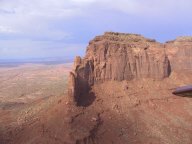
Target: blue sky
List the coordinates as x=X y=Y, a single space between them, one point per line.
x=63 y=28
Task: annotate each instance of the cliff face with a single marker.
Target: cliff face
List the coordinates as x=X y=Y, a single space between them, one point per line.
x=179 y=52
x=115 y=57
x=119 y=56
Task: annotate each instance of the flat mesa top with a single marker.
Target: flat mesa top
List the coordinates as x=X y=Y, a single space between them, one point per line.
x=184 y=39
x=122 y=37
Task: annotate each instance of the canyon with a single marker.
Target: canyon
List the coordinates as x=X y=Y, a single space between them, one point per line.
x=119 y=93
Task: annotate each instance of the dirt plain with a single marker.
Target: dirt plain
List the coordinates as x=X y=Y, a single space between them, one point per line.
x=28 y=90
x=128 y=112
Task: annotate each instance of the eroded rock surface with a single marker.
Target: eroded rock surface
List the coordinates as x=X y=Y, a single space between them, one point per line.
x=179 y=52
x=126 y=81
x=115 y=56
x=119 y=56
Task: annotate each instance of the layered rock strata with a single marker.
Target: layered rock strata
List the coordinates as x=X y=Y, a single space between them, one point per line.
x=118 y=56
x=179 y=52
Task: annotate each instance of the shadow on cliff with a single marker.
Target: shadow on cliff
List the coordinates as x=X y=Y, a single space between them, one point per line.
x=86 y=100
x=169 y=68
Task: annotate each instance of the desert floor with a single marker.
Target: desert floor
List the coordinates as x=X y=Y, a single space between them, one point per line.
x=28 y=90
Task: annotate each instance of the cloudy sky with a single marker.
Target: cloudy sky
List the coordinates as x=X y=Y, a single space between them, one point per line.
x=62 y=28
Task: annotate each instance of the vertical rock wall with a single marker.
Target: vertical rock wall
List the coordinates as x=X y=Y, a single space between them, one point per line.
x=118 y=56
x=179 y=52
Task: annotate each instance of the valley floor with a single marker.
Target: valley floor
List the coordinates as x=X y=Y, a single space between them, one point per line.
x=135 y=112
x=127 y=112
x=27 y=91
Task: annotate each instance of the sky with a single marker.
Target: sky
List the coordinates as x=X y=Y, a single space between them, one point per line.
x=63 y=28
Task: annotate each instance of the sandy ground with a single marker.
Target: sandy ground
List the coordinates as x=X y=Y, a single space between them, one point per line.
x=127 y=112
x=27 y=90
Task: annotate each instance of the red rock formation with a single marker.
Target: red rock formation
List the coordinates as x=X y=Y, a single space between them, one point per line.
x=125 y=104
x=140 y=111
x=119 y=56
x=179 y=52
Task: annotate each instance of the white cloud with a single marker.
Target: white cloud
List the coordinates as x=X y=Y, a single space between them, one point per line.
x=55 y=20
x=147 y=8
x=45 y=8
x=39 y=49
x=29 y=16
x=5 y=29
x=84 y=2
